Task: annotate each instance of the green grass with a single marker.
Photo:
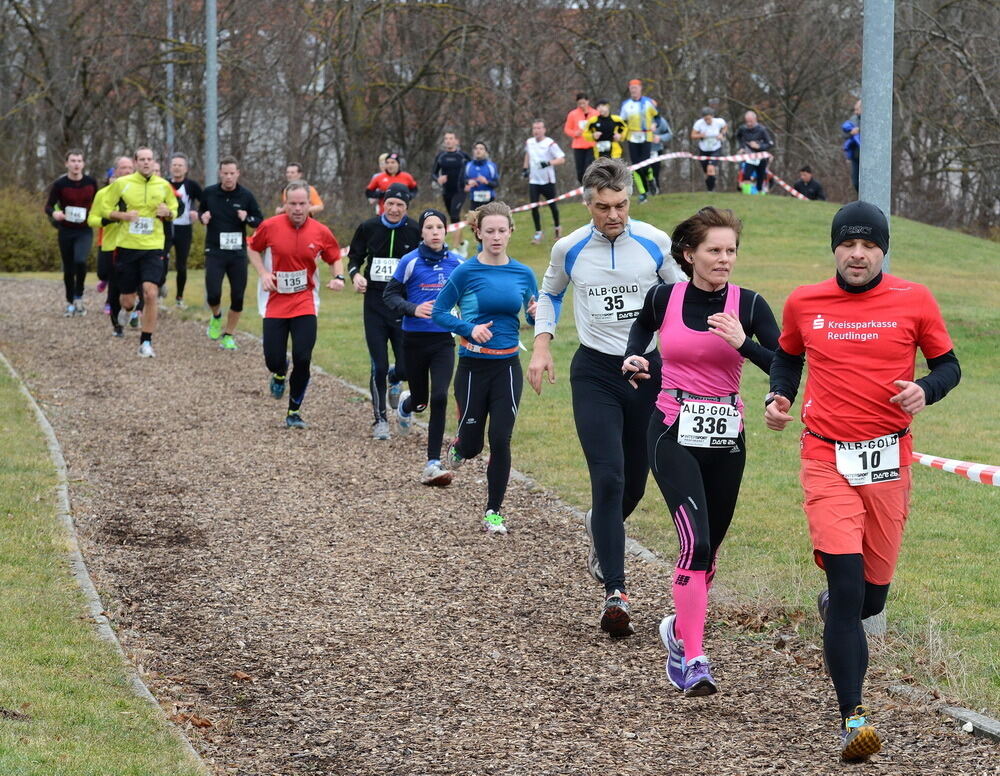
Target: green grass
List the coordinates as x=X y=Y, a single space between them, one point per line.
x=81 y=718
x=945 y=604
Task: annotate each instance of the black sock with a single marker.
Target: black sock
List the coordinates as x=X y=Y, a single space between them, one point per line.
x=710 y=183
x=217 y=317
x=293 y=406
x=147 y=336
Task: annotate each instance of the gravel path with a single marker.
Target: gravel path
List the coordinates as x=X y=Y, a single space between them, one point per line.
x=301 y=607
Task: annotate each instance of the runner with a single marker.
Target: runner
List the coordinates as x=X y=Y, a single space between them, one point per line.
x=541 y=156
x=696 y=442
x=611 y=263
x=293 y=172
x=481 y=176
x=430 y=351
x=449 y=166
x=489 y=289
x=180 y=235
x=607 y=130
x=108 y=240
x=710 y=132
x=640 y=114
x=858 y=334
x=288 y=291
x=378 y=244
x=149 y=201
x=381 y=182
x=575 y=128
x=71 y=198
x=227 y=209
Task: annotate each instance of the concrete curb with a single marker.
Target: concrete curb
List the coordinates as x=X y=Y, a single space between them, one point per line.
x=79 y=568
x=972 y=721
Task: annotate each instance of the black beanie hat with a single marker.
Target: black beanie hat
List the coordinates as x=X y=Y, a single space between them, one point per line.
x=397 y=191
x=432 y=212
x=860 y=221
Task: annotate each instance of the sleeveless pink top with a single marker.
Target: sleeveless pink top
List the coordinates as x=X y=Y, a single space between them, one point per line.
x=698 y=362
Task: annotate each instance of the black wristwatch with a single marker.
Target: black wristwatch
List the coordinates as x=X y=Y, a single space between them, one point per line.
x=338 y=277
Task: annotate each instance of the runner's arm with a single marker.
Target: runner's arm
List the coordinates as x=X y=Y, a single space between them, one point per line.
x=760 y=325
x=554 y=283
x=786 y=373
x=441 y=314
x=357 y=251
x=654 y=308
x=945 y=374
x=50 y=203
x=395 y=299
x=254 y=214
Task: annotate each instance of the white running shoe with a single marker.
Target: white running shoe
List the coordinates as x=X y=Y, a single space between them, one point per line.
x=123 y=317
x=537 y=239
x=70 y=311
x=493 y=523
x=381 y=430
x=434 y=475
x=405 y=419
x=146 y=350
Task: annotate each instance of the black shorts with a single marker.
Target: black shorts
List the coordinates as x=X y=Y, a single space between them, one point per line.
x=706 y=162
x=134 y=267
x=453 y=201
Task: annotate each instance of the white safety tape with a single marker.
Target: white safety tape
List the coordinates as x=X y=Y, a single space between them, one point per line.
x=977 y=472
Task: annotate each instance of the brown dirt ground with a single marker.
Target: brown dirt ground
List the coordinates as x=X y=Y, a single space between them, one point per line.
x=302 y=606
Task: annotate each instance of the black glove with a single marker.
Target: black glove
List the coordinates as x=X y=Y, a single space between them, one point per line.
x=524 y=172
x=543 y=165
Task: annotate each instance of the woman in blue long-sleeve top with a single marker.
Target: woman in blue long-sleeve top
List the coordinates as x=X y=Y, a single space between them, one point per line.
x=490 y=290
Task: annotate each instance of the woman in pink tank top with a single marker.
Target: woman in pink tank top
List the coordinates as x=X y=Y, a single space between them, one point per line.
x=697 y=448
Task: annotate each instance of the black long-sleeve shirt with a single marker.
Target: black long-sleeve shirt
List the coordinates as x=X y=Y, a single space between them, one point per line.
x=760 y=133
x=373 y=239
x=810 y=190
x=755 y=316
x=223 y=205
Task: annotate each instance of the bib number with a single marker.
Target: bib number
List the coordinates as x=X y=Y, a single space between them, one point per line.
x=637 y=137
x=230 y=241
x=707 y=424
x=481 y=195
x=607 y=304
x=75 y=215
x=141 y=226
x=382 y=269
x=870 y=461
x=603 y=146
x=291 y=282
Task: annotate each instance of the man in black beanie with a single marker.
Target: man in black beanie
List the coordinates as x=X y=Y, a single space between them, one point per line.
x=858 y=332
x=375 y=250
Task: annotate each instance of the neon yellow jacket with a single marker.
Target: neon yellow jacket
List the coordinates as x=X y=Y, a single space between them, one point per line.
x=109 y=231
x=639 y=115
x=142 y=195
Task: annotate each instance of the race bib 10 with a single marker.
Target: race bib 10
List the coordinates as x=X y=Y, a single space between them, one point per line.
x=291 y=282
x=707 y=424
x=869 y=461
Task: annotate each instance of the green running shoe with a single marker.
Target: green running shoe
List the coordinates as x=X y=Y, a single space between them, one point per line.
x=227 y=342
x=214 y=330
x=493 y=523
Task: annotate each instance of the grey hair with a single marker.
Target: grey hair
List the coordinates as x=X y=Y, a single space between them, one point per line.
x=295 y=186
x=605 y=173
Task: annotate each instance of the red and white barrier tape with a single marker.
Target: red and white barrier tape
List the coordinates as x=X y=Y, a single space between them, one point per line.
x=977 y=472
x=652 y=160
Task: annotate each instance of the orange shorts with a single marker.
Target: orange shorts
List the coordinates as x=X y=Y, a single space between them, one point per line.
x=867 y=519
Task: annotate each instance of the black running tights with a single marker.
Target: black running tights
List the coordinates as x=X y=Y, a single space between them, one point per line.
x=430 y=361
x=852 y=599
x=302 y=330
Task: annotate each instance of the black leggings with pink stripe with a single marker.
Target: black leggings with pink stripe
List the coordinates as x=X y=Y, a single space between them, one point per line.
x=700 y=486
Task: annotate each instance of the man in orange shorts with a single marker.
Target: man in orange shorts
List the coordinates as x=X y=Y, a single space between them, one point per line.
x=858 y=332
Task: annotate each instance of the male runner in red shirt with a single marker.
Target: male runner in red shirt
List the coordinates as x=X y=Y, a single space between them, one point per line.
x=858 y=332
x=284 y=250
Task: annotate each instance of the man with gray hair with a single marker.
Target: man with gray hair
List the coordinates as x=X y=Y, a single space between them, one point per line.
x=753 y=137
x=611 y=263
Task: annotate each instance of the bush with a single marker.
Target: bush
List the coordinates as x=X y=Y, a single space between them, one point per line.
x=27 y=238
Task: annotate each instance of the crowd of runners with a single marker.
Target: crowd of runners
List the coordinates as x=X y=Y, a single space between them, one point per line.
x=663 y=334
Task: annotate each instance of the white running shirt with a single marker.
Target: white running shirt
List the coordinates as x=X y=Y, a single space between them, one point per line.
x=544 y=150
x=610 y=281
x=712 y=131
